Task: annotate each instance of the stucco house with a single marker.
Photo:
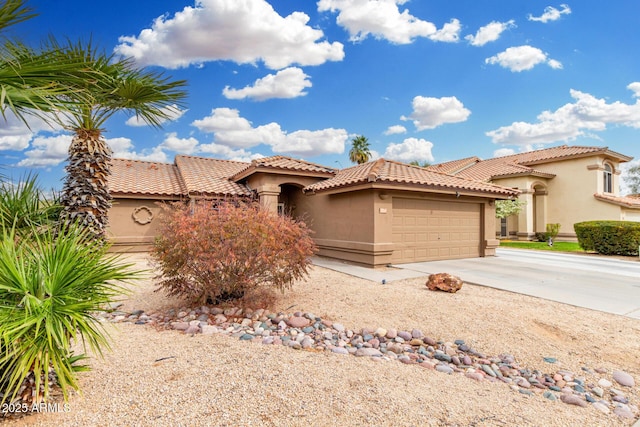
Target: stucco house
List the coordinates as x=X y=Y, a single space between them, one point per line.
x=565 y=185
x=376 y=213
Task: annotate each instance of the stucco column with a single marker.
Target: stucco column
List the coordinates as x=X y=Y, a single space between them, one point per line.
x=525 y=218
x=489 y=229
x=268 y=195
x=541 y=211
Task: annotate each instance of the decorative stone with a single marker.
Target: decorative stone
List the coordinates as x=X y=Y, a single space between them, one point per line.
x=298 y=321
x=624 y=379
x=572 y=399
x=598 y=391
x=339 y=350
x=601 y=407
x=623 y=412
x=368 y=352
x=604 y=383
x=475 y=376
x=550 y=396
x=550 y=359
x=192 y=329
x=444 y=282
x=444 y=369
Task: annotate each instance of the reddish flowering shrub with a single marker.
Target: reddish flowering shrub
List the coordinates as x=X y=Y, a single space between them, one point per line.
x=210 y=252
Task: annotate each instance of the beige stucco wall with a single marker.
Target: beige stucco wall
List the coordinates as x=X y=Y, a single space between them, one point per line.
x=569 y=196
x=128 y=228
x=357 y=226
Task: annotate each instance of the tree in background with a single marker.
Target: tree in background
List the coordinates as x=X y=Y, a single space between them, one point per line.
x=632 y=179
x=420 y=164
x=505 y=208
x=360 y=152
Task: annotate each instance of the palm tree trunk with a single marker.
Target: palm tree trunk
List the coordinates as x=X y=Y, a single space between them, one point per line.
x=86 y=199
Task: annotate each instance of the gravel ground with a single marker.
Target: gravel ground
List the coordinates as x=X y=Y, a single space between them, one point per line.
x=221 y=381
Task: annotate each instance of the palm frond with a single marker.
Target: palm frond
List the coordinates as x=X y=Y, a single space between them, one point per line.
x=14 y=12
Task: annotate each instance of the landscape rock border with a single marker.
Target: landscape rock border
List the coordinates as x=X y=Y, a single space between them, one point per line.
x=304 y=331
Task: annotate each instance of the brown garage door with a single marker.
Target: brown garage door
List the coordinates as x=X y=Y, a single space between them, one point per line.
x=426 y=230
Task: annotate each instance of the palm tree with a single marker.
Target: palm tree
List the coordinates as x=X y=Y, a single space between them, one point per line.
x=34 y=81
x=359 y=152
x=118 y=86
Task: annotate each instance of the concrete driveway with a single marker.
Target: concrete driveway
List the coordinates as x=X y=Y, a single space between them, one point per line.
x=598 y=283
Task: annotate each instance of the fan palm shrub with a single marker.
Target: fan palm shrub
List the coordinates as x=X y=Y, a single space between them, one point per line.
x=51 y=284
x=24 y=205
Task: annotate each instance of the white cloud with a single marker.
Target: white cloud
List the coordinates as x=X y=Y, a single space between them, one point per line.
x=449 y=33
x=586 y=114
x=228 y=153
x=635 y=88
x=47 y=151
x=429 y=113
x=123 y=149
x=179 y=145
x=395 y=130
x=409 y=150
x=15 y=135
x=232 y=130
x=287 y=83
x=501 y=152
x=490 y=32
x=245 y=31
x=172 y=112
x=550 y=14
x=522 y=58
x=383 y=19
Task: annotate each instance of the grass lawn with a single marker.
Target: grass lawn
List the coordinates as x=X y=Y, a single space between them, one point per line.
x=543 y=246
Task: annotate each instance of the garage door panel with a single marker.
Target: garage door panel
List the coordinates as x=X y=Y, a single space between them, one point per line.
x=429 y=230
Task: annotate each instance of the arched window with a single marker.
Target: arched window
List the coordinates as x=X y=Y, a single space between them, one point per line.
x=608 y=178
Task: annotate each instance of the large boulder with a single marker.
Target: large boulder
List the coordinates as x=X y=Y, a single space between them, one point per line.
x=444 y=282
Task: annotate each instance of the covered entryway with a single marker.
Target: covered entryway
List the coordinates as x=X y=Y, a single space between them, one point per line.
x=428 y=230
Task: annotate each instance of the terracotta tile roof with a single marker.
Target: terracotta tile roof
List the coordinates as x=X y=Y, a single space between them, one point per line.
x=384 y=171
x=207 y=176
x=454 y=166
x=625 y=201
x=148 y=178
x=283 y=163
x=517 y=164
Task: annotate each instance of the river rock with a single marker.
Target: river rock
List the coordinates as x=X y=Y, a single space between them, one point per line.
x=601 y=407
x=368 y=352
x=444 y=369
x=623 y=412
x=624 y=379
x=298 y=321
x=444 y=282
x=604 y=383
x=572 y=399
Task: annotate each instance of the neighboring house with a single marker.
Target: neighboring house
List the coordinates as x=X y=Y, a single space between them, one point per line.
x=376 y=213
x=561 y=185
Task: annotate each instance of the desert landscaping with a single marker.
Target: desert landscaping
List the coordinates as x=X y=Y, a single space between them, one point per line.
x=227 y=376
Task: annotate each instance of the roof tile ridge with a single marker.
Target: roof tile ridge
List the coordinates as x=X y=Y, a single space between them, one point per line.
x=373 y=174
x=189 y=156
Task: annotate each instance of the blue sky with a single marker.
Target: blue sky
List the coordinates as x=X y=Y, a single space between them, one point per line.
x=422 y=80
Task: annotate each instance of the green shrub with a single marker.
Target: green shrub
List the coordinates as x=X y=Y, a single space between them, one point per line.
x=50 y=286
x=609 y=237
x=541 y=237
x=207 y=253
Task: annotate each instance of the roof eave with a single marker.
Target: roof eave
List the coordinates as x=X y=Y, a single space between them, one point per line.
x=616 y=202
x=280 y=171
x=519 y=174
x=422 y=188
x=605 y=151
